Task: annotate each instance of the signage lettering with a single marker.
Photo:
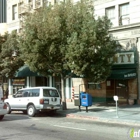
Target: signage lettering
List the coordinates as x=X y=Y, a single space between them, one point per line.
x=18 y=81
x=129 y=56
x=123 y=58
x=130 y=75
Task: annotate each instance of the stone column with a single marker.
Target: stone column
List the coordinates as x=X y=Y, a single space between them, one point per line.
x=67 y=89
x=50 y=81
x=28 y=82
x=10 y=87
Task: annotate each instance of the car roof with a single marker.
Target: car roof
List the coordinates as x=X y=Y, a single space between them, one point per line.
x=45 y=87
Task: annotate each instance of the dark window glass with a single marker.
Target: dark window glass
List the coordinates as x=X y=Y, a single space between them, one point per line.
x=35 y=92
x=19 y=94
x=30 y=93
x=50 y=93
x=25 y=94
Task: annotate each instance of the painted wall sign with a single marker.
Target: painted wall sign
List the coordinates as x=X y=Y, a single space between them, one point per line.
x=123 y=58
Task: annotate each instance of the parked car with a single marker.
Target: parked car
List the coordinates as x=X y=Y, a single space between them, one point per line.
x=34 y=99
x=3 y=106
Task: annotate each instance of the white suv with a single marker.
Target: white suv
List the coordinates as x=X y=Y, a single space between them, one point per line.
x=34 y=99
x=3 y=106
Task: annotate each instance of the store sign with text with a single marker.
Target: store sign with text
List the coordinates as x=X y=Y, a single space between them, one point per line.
x=19 y=82
x=123 y=58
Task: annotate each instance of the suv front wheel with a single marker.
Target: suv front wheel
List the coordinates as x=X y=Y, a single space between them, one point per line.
x=31 y=110
x=8 y=109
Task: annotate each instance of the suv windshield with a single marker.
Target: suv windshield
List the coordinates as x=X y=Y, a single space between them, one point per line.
x=50 y=93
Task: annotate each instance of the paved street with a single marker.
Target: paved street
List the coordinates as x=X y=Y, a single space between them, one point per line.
x=21 y=127
x=99 y=123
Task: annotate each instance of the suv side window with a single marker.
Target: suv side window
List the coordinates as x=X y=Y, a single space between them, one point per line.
x=29 y=92
x=25 y=93
x=54 y=93
x=35 y=92
x=19 y=94
x=46 y=93
x=50 y=93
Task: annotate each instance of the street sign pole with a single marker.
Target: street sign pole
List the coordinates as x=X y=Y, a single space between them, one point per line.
x=116 y=99
x=117 y=109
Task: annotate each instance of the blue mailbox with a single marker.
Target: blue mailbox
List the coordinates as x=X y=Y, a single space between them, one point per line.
x=86 y=99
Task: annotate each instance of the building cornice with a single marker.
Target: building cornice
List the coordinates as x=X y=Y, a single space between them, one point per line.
x=125 y=27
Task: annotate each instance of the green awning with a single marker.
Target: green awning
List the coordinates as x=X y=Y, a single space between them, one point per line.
x=24 y=71
x=123 y=74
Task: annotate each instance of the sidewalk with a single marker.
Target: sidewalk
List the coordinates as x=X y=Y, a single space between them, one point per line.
x=127 y=114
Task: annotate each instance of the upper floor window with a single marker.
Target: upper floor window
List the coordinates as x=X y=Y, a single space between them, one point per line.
x=124 y=14
x=14 y=12
x=110 y=13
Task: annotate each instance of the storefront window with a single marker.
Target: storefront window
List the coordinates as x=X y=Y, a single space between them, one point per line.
x=94 y=86
x=18 y=83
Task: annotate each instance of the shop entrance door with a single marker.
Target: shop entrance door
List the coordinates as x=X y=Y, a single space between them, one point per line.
x=121 y=88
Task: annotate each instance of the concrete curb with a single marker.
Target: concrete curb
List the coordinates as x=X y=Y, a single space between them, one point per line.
x=104 y=120
x=81 y=117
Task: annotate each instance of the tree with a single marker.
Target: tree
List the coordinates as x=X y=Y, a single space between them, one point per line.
x=90 y=47
x=9 y=64
x=66 y=37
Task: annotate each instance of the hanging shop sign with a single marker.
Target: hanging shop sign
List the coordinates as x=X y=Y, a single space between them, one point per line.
x=123 y=74
x=19 y=81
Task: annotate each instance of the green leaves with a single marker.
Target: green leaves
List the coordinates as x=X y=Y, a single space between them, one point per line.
x=9 y=64
x=68 y=37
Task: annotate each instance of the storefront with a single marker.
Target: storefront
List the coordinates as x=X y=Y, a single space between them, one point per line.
x=122 y=81
x=26 y=78
x=18 y=83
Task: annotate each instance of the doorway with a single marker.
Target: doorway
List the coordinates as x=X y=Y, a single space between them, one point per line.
x=121 y=88
x=41 y=81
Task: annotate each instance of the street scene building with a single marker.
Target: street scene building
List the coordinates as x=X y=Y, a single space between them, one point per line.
x=3 y=16
x=16 y=10
x=124 y=79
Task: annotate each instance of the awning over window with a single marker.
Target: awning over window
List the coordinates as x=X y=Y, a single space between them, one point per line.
x=24 y=71
x=123 y=74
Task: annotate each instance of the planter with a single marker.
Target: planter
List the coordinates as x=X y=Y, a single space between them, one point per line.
x=131 y=101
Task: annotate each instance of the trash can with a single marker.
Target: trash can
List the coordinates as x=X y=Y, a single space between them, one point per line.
x=77 y=101
x=86 y=99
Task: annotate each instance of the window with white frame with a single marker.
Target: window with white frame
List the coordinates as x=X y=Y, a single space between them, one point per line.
x=14 y=12
x=110 y=13
x=124 y=18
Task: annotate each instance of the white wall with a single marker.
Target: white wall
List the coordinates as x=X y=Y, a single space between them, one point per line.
x=100 y=5
x=3 y=28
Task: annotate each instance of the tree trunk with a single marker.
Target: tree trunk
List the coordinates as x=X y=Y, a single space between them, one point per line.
x=64 y=105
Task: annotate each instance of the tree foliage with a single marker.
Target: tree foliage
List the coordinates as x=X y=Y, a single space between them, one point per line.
x=90 y=47
x=9 y=64
x=44 y=40
x=67 y=37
